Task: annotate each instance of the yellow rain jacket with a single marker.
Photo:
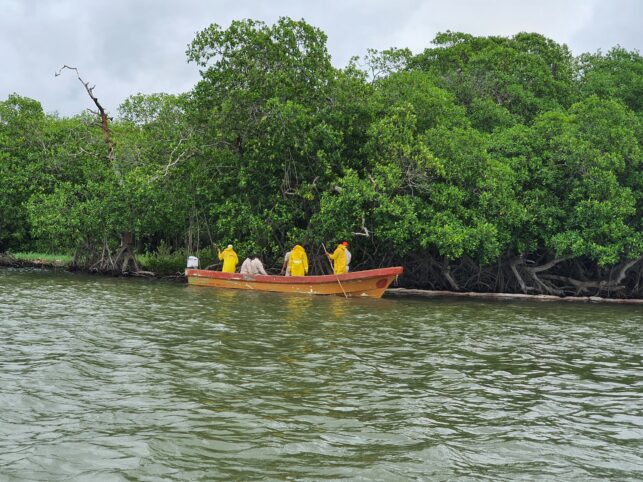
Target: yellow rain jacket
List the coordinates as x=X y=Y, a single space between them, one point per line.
x=339 y=259
x=230 y=260
x=298 y=261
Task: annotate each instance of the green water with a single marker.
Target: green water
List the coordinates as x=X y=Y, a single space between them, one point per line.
x=112 y=379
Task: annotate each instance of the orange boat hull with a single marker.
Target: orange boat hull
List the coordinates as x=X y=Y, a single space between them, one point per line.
x=371 y=283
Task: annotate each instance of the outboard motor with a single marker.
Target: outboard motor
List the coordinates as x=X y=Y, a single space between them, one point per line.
x=193 y=262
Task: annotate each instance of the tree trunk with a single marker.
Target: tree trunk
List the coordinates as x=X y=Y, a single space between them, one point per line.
x=446 y=272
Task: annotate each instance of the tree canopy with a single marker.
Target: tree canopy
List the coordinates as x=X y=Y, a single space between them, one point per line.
x=483 y=163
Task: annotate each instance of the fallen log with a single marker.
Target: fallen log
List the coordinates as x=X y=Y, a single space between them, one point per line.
x=509 y=296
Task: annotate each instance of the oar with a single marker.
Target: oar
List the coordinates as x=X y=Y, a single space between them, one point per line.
x=336 y=276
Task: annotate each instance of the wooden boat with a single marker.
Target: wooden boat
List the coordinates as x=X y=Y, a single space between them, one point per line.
x=371 y=283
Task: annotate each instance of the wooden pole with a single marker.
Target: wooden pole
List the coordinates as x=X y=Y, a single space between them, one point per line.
x=331 y=267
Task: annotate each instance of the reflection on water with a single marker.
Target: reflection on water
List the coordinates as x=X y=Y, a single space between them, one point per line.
x=108 y=379
x=295 y=307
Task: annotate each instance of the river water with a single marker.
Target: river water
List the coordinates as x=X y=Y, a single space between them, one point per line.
x=114 y=379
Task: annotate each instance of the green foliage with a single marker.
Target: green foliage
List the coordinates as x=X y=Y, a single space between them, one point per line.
x=527 y=74
x=53 y=259
x=615 y=75
x=21 y=158
x=432 y=105
x=165 y=261
x=383 y=64
x=488 y=116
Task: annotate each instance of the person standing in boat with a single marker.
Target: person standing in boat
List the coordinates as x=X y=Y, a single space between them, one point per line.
x=285 y=269
x=339 y=259
x=298 y=261
x=252 y=265
x=230 y=260
x=348 y=256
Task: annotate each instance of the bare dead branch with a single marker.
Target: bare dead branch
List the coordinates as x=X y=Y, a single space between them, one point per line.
x=625 y=268
x=365 y=232
x=104 y=118
x=549 y=265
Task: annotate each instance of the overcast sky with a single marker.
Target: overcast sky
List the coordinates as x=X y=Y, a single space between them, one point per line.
x=130 y=46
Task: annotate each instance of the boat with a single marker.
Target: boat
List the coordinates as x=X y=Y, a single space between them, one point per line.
x=370 y=283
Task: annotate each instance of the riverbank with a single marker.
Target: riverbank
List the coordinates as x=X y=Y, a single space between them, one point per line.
x=33 y=260
x=26 y=260
x=58 y=262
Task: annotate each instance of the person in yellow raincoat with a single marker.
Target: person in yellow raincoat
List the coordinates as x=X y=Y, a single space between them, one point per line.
x=230 y=259
x=339 y=259
x=298 y=261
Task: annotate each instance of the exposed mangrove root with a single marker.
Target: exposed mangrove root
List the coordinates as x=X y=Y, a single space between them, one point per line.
x=106 y=260
x=612 y=284
x=446 y=272
x=514 y=269
x=518 y=264
x=9 y=261
x=528 y=275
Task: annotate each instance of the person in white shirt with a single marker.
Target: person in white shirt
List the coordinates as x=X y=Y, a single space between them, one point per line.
x=246 y=266
x=257 y=266
x=348 y=256
x=252 y=265
x=285 y=269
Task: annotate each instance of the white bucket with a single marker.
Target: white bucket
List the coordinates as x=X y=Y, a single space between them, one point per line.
x=193 y=262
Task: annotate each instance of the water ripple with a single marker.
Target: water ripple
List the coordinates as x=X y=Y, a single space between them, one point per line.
x=108 y=379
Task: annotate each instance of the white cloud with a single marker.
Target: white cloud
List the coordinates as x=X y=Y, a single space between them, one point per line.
x=126 y=47
x=552 y=18
x=617 y=22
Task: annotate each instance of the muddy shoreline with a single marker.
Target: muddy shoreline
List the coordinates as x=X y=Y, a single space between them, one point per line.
x=11 y=262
